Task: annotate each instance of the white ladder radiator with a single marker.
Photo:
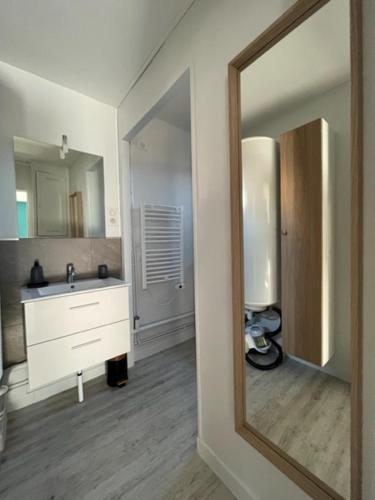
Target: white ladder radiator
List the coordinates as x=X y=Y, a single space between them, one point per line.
x=162 y=232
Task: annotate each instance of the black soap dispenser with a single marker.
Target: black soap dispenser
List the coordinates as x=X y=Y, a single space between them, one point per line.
x=36 y=276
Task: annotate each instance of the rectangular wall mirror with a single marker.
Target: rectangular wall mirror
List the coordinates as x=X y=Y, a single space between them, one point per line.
x=295 y=132
x=58 y=194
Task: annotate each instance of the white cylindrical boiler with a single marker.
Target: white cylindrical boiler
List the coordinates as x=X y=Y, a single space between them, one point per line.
x=260 y=191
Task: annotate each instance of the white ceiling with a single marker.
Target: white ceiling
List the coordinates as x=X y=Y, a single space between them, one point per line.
x=96 y=47
x=310 y=60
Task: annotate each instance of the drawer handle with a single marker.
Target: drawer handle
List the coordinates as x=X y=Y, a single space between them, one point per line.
x=85 y=305
x=86 y=343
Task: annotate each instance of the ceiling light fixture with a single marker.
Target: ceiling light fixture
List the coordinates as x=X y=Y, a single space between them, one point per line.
x=65 y=144
x=64 y=147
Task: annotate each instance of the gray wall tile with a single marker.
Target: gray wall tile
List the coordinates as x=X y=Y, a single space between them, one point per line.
x=14 y=344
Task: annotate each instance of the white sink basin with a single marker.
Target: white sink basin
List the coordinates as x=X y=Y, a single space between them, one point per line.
x=63 y=288
x=77 y=286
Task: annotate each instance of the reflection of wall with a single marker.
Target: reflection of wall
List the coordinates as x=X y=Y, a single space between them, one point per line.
x=23 y=177
x=24 y=182
x=86 y=176
x=161 y=173
x=95 y=197
x=27 y=180
x=334 y=106
x=17 y=258
x=56 y=212
x=35 y=108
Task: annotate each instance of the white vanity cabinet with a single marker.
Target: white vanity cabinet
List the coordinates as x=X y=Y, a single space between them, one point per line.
x=74 y=331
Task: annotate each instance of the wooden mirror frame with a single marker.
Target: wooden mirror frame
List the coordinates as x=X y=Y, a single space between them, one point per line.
x=292 y=18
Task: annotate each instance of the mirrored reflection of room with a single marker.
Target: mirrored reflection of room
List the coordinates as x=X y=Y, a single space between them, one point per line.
x=58 y=194
x=296 y=205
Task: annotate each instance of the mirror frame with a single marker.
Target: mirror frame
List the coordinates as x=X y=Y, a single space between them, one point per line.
x=286 y=23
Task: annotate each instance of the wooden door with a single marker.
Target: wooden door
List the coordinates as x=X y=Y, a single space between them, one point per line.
x=305 y=242
x=76 y=215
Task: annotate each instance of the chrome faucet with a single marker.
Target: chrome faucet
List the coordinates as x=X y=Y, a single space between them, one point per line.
x=70 y=272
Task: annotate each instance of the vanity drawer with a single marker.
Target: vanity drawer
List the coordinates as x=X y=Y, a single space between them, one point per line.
x=60 y=316
x=59 y=358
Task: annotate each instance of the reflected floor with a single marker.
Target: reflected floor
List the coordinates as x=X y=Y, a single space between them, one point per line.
x=306 y=413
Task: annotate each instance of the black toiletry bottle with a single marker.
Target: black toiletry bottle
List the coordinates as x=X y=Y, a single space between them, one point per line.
x=36 y=275
x=102 y=271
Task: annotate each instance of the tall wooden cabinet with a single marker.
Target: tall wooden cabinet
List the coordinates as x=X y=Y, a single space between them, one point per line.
x=306 y=241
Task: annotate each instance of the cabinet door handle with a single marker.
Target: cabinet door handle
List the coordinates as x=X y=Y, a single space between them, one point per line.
x=86 y=343
x=284 y=232
x=85 y=305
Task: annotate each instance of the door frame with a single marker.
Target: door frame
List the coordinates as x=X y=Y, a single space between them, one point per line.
x=127 y=194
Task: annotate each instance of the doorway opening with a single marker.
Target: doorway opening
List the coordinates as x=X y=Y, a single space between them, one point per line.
x=162 y=224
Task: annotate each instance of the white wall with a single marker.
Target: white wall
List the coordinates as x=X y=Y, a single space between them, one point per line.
x=37 y=109
x=334 y=107
x=211 y=34
x=161 y=173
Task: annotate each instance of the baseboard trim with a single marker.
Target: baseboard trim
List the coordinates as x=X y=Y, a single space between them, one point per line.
x=231 y=481
x=20 y=396
x=161 y=344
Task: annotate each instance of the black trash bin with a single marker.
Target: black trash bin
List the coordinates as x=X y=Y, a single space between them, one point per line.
x=117 y=371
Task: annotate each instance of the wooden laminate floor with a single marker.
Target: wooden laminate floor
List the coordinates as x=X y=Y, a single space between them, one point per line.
x=134 y=443
x=307 y=414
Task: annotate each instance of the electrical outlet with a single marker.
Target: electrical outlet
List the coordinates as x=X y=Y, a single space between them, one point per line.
x=112 y=216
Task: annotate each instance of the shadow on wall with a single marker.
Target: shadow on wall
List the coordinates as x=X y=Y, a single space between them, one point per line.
x=11 y=124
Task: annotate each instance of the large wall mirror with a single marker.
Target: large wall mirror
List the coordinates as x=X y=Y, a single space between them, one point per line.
x=59 y=191
x=295 y=133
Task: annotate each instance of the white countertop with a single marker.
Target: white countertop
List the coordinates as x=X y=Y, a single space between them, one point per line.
x=32 y=294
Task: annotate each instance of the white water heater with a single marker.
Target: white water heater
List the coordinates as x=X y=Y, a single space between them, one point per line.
x=260 y=191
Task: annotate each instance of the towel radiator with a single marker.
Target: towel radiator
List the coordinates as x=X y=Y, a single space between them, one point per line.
x=162 y=231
